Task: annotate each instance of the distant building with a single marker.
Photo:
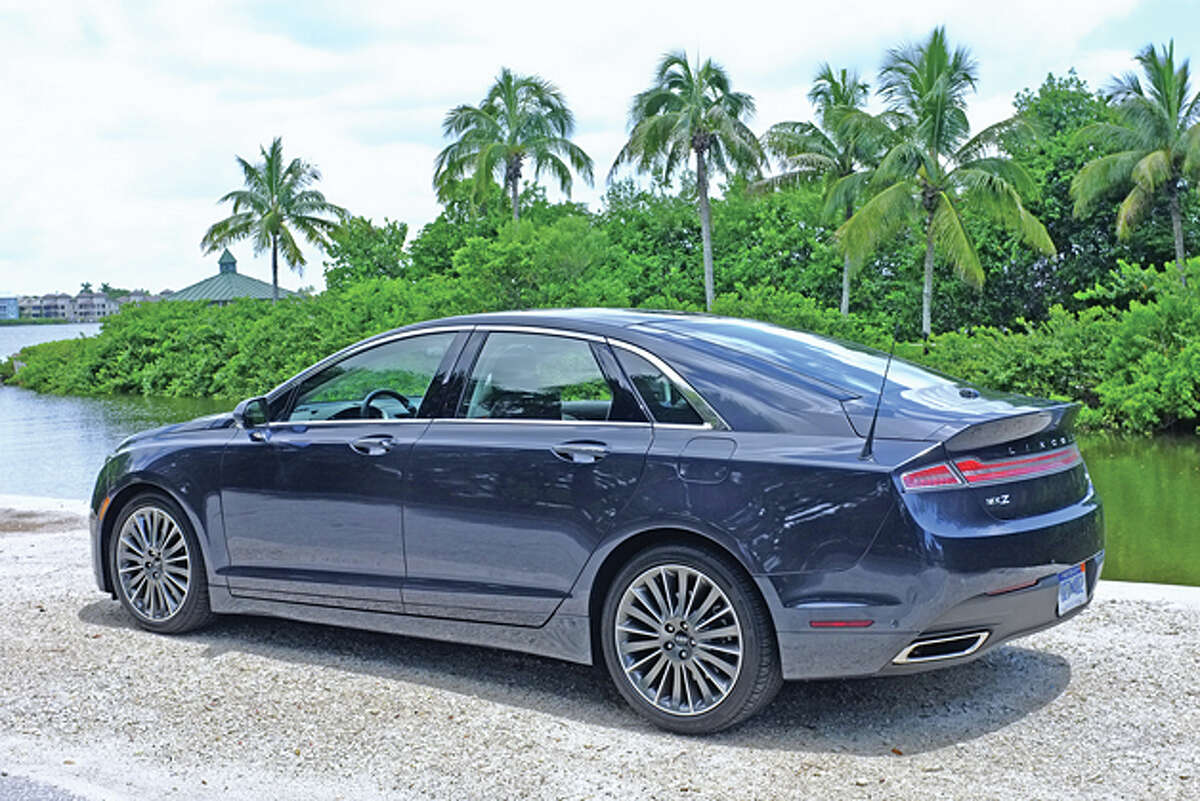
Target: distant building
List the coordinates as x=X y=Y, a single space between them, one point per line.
x=89 y=307
x=138 y=296
x=86 y=307
x=10 y=306
x=56 y=306
x=227 y=285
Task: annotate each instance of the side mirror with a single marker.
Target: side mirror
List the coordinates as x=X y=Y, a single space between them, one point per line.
x=251 y=413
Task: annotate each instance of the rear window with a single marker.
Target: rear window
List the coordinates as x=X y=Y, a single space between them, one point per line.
x=664 y=400
x=841 y=364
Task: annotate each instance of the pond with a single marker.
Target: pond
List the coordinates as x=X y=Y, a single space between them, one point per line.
x=1151 y=493
x=53 y=446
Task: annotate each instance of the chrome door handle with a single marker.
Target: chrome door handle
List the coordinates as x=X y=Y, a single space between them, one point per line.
x=373 y=445
x=581 y=452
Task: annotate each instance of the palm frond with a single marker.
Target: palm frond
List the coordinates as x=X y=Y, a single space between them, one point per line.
x=952 y=240
x=1105 y=136
x=1102 y=177
x=996 y=137
x=843 y=195
x=877 y=221
x=1133 y=208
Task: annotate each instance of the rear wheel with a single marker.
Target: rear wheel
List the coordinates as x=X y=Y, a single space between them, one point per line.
x=688 y=641
x=157 y=568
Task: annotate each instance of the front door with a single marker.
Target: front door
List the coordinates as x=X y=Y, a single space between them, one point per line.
x=507 y=501
x=312 y=502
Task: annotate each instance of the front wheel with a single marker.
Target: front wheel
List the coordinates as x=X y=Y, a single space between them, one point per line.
x=157 y=568
x=688 y=641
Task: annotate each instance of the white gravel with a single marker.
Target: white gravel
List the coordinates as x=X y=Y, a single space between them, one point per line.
x=1107 y=706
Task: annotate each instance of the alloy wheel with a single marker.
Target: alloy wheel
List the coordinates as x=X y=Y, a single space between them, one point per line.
x=679 y=639
x=153 y=563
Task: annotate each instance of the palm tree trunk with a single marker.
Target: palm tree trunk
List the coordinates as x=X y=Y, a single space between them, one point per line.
x=512 y=179
x=274 y=269
x=846 y=272
x=1177 y=224
x=705 y=227
x=845 y=284
x=927 y=289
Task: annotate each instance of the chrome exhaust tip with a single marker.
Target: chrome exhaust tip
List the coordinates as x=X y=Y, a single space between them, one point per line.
x=935 y=649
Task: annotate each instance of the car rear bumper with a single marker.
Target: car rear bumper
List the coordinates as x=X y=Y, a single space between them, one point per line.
x=846 y=652
x=1001 y=584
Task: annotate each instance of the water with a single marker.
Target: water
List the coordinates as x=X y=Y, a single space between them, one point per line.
x=15 y=337
x=1151 y=493
x=53 y=446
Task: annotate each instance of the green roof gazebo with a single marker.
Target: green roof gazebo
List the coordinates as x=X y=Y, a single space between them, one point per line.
x=227 y=285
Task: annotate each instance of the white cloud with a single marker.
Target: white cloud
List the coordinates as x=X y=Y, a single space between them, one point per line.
x=122 y=120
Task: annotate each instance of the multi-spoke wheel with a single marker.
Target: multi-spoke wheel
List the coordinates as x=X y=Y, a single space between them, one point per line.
x=156 y=566
x=688 y=641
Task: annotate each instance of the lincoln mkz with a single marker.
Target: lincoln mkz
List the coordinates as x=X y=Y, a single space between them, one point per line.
x=706 y=506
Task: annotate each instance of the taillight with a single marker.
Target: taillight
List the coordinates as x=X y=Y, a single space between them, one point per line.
x=938 y=475
x=976 y=472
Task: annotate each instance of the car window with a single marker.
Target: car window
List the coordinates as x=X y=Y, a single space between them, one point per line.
x=393 y=377
x=666 y=403
x=536 y=377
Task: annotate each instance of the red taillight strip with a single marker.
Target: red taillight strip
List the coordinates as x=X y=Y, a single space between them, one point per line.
x=938 y=475
x=976 y=472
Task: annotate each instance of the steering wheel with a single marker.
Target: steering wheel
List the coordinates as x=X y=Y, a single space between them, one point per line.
x=364 y=411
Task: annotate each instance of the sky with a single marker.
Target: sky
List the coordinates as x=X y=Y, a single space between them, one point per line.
x=120 y=121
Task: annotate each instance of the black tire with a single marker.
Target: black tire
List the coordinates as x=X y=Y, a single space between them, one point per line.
x=753 y=684
x=150 y=510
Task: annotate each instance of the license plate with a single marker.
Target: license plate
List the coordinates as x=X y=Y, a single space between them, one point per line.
x=1072 y=589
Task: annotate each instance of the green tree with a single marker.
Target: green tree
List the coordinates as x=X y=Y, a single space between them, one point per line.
x=1157 y=136
x=935 y=168
x=358 y=250
x=841 y=150
x=692 y=109
x=521 y=117
x=277 y=198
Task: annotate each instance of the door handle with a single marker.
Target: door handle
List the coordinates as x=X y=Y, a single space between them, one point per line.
x=373 y=445
x=581 y=452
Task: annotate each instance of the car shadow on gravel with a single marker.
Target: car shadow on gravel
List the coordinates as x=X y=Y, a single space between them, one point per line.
x=894 y=716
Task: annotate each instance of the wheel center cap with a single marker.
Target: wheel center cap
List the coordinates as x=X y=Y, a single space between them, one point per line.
x=681 y=639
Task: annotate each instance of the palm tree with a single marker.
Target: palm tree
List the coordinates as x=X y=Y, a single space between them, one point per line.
x=521 y=117
x=1157 y=137
x=276 y=199
x=841 y=150
x=933 y=170
x=692 y=109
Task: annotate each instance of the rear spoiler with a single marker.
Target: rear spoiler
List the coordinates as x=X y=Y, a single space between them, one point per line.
x=1059 y=419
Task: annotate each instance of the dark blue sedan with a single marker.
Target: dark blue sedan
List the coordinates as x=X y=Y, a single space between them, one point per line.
x=709 y=506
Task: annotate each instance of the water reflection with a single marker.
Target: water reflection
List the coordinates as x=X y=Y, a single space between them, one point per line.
x=1151 y=493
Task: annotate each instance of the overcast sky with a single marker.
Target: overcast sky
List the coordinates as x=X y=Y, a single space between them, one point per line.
x=120 y=121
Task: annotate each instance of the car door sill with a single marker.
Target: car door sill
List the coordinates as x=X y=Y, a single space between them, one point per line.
x=563 y=636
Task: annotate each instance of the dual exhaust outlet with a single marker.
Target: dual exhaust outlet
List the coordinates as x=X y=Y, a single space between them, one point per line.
x=934 y=649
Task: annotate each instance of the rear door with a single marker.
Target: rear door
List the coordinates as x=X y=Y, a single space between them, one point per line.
x=506 y=501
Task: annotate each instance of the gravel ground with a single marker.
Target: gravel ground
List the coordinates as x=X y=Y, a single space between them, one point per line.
x=1107 y=706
